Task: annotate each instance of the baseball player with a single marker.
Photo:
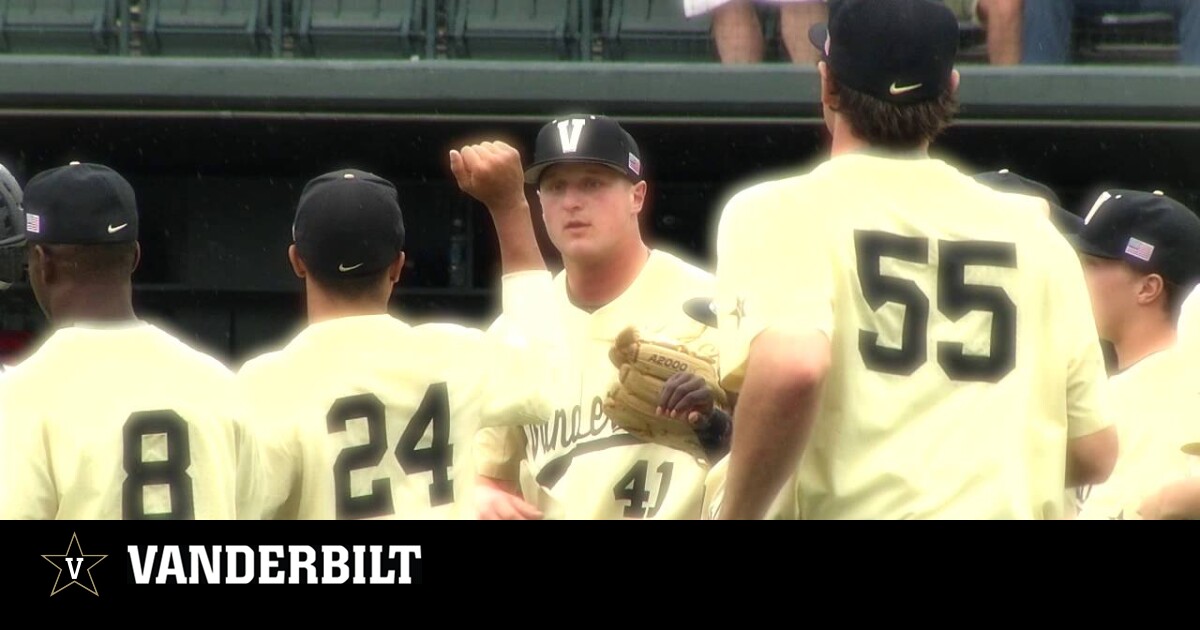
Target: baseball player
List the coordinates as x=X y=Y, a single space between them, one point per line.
x=111 y=417
x=1141 y=258
x=922 y=340
x=578 y=465
x=365 y=416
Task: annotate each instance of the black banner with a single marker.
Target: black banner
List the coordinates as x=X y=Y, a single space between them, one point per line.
x=92 y=565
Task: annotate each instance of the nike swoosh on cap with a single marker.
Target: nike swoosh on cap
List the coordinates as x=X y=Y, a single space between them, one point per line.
x=117 y=228
x=897 y=90
x=350 y=268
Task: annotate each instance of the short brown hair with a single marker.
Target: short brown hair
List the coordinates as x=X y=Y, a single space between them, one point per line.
x=892 y=126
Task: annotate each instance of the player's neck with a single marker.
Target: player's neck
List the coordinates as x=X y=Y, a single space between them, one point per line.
x=323 y=307
x=593 y=284
x=325 y=310
x=1141 y=340
x=846 y=141
x=94 y=302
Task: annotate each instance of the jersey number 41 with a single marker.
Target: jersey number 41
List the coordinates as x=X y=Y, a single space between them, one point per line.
x=955 y=298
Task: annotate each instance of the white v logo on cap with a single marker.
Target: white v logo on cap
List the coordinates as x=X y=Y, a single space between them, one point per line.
x=1096 y=206
x=569 y=132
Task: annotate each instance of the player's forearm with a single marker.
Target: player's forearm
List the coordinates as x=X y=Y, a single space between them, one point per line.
x=774 y=416
x=519 y=249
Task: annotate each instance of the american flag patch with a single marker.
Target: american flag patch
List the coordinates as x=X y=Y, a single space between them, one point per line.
x=1139 y=249
x=33 y=223
x=635 y=164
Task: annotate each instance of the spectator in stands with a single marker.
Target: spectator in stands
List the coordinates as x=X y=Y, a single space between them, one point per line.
x=1047 y=25
x=739 y=34
x=1001 y=19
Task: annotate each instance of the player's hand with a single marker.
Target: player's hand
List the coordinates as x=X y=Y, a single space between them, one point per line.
x=1151 y=508
x=687 y=396
x=491 y=172
x=494 y=503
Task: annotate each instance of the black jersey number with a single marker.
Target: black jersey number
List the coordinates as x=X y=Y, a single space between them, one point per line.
x=632 y=489
x=955 y=298
x=169 y=472
x=434 y=412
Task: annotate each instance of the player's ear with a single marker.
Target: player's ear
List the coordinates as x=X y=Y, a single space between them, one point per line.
x=828 y=96
x=39 y=263
x=297 y=264
x=638 y=191
x=955 y=79
x=137 y=256
x=1150 y=289
x=395 y=269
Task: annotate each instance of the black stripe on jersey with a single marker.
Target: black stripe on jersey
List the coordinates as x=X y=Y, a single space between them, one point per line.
x=557 y=467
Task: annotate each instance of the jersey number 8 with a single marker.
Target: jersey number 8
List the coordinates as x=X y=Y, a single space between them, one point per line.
x=436 y=459
x=168 y=473
x=955 y=298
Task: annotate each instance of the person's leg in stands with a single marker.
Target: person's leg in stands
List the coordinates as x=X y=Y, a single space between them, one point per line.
x=1046 y=31
x=795 y=20
x=1003 y=19
x=738 y=32
x=1187 y=12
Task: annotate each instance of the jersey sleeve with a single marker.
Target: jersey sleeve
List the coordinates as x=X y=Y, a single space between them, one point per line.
x=771 y=274
x=29 y=492
x=268 y=452
x=1086 y=376
x=499 y=451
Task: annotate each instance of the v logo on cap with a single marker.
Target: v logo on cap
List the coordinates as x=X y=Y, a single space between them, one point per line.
x=569 y=132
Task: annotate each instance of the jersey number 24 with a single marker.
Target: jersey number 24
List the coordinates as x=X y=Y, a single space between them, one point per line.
x=955 y=298
x=436 y=458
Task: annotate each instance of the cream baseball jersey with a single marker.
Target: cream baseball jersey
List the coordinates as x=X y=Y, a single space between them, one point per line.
x=368 y=417
x=576 y=465
x=964 y=352
x=1154 y=415
x=124 y=422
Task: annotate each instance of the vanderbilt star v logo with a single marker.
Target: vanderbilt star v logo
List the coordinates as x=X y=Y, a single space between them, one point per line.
x=77 y=566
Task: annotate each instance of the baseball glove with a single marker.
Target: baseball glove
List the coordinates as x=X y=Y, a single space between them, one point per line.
x=644 y=366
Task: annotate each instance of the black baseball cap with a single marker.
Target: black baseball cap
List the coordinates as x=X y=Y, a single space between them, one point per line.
x=1148 y=230
x=348 y=224
x=80 y=204
x=585 y=138
x=899 y=51
x=1007 y=181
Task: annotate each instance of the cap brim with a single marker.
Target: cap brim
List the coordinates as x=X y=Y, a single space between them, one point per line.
x=1085 y=247
x=818 y=34
x=701 y=310
x=534 y=172
x=1067 y=222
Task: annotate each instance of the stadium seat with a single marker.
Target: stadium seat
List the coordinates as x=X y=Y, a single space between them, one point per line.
x=515 y=29
x=210 y=28
x=1127 y=37
x=58 y=26
x=655 y=30
x=359 y=28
